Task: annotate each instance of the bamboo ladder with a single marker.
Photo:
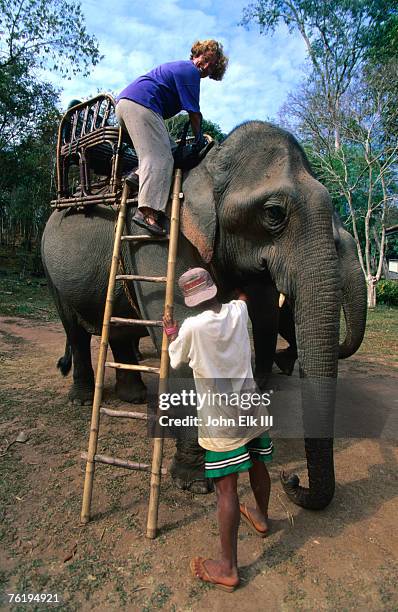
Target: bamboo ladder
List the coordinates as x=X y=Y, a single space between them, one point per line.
x=91 y=456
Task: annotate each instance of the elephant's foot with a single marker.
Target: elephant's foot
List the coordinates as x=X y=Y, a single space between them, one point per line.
x=285 y=360
x=133 y=392
x=81 y=395
x=262 y=379
x=199 y=487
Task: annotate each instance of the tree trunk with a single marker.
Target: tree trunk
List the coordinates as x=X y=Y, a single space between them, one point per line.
x=384 y=264
x=371 y=285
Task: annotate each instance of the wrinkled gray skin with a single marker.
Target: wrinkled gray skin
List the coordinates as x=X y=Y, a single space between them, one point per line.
x=257 y=218
x=354 y=304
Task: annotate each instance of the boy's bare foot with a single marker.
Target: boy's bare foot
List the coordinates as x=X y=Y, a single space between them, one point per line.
x=255 y=520
x=215 y=572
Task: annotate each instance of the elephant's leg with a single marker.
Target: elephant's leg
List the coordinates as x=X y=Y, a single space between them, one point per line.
x=129 y=386
x=188 y=468
x=264 y=314
x=82 y=390
x=286 y=358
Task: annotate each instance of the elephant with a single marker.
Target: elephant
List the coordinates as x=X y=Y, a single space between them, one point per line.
x=353 y=303
x=256 y=217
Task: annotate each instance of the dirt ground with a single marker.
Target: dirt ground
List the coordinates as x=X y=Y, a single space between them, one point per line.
x=342 y=558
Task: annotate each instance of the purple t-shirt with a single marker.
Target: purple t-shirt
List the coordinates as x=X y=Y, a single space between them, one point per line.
x=167 y=89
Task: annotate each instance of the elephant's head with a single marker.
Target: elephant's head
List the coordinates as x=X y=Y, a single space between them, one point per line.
x=255 y=211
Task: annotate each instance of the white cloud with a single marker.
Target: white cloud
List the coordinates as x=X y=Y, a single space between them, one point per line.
x=136 y=37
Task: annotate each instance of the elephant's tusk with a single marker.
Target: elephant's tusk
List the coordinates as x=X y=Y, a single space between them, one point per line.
x=282 y=299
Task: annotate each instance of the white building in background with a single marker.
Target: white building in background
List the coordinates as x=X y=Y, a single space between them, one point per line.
x=393 y=269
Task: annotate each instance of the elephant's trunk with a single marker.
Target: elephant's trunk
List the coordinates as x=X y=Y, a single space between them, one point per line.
x=317 y=307
x=319 y=494
x=354 y=299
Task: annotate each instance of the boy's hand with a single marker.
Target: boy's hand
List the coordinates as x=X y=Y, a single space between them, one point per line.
x=241 y=295
x=170 y=327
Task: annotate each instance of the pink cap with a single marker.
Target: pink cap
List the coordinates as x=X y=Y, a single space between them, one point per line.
x=197 y=286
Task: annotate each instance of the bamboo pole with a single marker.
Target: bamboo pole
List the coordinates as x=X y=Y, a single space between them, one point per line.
x=144 y=238
x=164 y=358
x=123 y=463
x=147 y=323
x=132 y=367
x=126 y=414
x=99 y=380
x=82 y=201
x=139 y=277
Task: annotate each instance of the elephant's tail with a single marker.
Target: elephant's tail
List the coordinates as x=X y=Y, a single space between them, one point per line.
x=65 y=362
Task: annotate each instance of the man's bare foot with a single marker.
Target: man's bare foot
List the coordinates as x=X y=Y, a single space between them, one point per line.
x=215 y=572
x=255 y=520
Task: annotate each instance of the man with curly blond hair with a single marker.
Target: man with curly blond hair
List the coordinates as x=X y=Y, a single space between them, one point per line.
x=142 y=108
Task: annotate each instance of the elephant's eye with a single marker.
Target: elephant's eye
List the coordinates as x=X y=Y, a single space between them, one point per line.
x=274 y=214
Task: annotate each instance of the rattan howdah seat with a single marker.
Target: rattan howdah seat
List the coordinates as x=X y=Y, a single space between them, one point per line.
x=93 y=154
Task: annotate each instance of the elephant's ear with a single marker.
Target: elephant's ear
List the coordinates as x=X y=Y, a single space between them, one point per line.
x=198 y=213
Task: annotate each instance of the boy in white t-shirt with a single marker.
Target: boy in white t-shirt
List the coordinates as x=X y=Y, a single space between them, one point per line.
x=216 y=345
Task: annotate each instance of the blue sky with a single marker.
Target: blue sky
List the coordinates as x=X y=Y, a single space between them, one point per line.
x=135 y=36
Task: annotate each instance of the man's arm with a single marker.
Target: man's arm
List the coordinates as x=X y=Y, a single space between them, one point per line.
x=196 y=122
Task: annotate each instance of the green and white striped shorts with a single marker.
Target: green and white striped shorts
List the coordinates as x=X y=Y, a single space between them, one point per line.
x=240 y=459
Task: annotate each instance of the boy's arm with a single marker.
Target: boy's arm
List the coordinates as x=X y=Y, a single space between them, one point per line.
x=239 y=294
x=242 y=297
x=179 y=342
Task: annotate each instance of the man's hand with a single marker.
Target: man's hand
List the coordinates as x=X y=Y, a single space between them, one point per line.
x=200 y=142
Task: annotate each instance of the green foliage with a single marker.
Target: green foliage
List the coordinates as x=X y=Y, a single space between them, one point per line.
x=27 y=184
x=24 y=104
x=36 y=34
x=213 y=129
x=387 y=292
x=338 y=35
x=328 y=28
x=47 y=34
x=353 y=166
x=176 y=124
x=345 y=110
x=384 y=40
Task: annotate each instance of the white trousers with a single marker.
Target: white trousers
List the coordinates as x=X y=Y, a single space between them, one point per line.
x=152 y=144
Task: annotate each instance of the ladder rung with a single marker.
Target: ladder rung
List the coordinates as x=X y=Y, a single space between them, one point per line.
x=124 y=413
x=138 y=277
x=122 y=321
x=129 y=366
x=145 y=238
x=123 y=463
